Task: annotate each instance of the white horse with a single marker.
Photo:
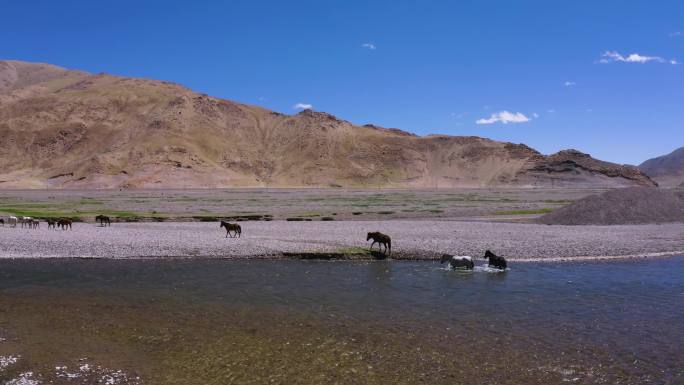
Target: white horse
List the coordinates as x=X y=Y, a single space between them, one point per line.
x=458 y=261
x=12 y=221
x=26 y=221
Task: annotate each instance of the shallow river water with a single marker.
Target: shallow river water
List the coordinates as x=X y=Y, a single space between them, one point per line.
x=199 y=321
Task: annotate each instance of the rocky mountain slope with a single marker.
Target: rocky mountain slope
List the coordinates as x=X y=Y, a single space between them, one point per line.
x=71 y=129
x=667 y=170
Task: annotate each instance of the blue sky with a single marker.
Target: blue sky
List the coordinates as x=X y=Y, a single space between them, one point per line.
x=423 y=66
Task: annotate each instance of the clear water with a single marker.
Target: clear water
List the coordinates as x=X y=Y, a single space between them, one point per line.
x=223 y=321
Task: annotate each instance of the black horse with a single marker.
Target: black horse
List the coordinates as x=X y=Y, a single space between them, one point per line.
x=495 y=260
x=104 y=220
x=458 y=262
x=2 y=221
x=52 y=223
x=382 y=240
x=234 y=227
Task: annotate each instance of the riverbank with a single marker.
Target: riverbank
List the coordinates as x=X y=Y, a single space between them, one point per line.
x=423 y=239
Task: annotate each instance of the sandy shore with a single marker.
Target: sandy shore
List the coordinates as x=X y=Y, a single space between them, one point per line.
x=411 y=239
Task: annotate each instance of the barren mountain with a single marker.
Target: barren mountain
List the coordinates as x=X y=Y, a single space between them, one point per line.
x=71 y=129
x=667 y=170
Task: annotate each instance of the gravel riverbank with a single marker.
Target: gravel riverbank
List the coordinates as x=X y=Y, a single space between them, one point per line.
x=411 y=239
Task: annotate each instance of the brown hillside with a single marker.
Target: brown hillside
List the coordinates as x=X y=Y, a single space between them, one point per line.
x=72 y=129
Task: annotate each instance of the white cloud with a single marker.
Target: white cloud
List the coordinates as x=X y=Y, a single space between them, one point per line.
x=551 y=111
x=370 y=46
x=676 y=34
x=504 y=117
x=535 y=115
x=302 y=106
x=614 y=56
x=569 y=84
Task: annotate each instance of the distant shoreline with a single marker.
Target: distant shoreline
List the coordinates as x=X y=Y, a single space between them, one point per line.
x=412 y=240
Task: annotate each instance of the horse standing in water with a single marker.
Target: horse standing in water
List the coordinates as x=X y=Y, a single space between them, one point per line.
x=382 y=240
x=3 y=222
x=12 y=221
x=104 y=220
x=458 y=261
x=495 y=260
x=51 y=223
x=234 y=227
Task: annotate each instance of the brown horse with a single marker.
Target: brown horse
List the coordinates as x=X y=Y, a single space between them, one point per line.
x=382 y=240
x=104 y=220
x=234 y=227
x=51 y=223
x=64 y=223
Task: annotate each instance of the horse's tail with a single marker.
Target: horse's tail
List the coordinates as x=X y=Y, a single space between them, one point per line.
x=389 y=247
x=239 y=230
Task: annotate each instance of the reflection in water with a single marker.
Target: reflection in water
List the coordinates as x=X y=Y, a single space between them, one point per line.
x=221 y=321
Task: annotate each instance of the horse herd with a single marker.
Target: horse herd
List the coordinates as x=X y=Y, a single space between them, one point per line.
x=31 y=223
x=234 y=230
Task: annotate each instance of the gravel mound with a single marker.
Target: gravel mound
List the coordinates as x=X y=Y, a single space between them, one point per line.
x=636 y=205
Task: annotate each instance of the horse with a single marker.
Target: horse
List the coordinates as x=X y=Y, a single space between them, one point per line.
x=104 y=220
x=26 y=221
x=52 y=223
x=458 y=261
x=2 y=221
x=12 y=221
x=382 y=240
x=495 y=260
x=35 y=224
x=234 y=227
x=64 y=223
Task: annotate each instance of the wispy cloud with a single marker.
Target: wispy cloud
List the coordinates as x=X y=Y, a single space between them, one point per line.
x=370 y=46
x=302 y=106
x=535 y=115
x=569 y=84
x=676 y=34
x=614 y=56
x=504 y=117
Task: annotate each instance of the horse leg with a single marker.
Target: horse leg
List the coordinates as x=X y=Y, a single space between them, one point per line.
x=371 y=246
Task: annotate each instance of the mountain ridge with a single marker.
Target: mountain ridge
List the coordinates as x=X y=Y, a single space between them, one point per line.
x=71 y=129
x=667 y=170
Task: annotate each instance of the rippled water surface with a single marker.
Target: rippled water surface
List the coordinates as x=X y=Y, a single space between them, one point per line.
x=221 y=321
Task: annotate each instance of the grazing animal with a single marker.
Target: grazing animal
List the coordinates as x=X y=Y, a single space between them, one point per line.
x=35 y=224
x=64 y=223
x=51 y=223
x=234 y=227
x=3 y=222
x=458 y=261
x=104 y=220
x=12 y=221
x=495 y=260
x=382 y=240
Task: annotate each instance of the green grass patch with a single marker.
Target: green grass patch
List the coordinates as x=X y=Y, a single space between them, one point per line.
x=354 y=251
